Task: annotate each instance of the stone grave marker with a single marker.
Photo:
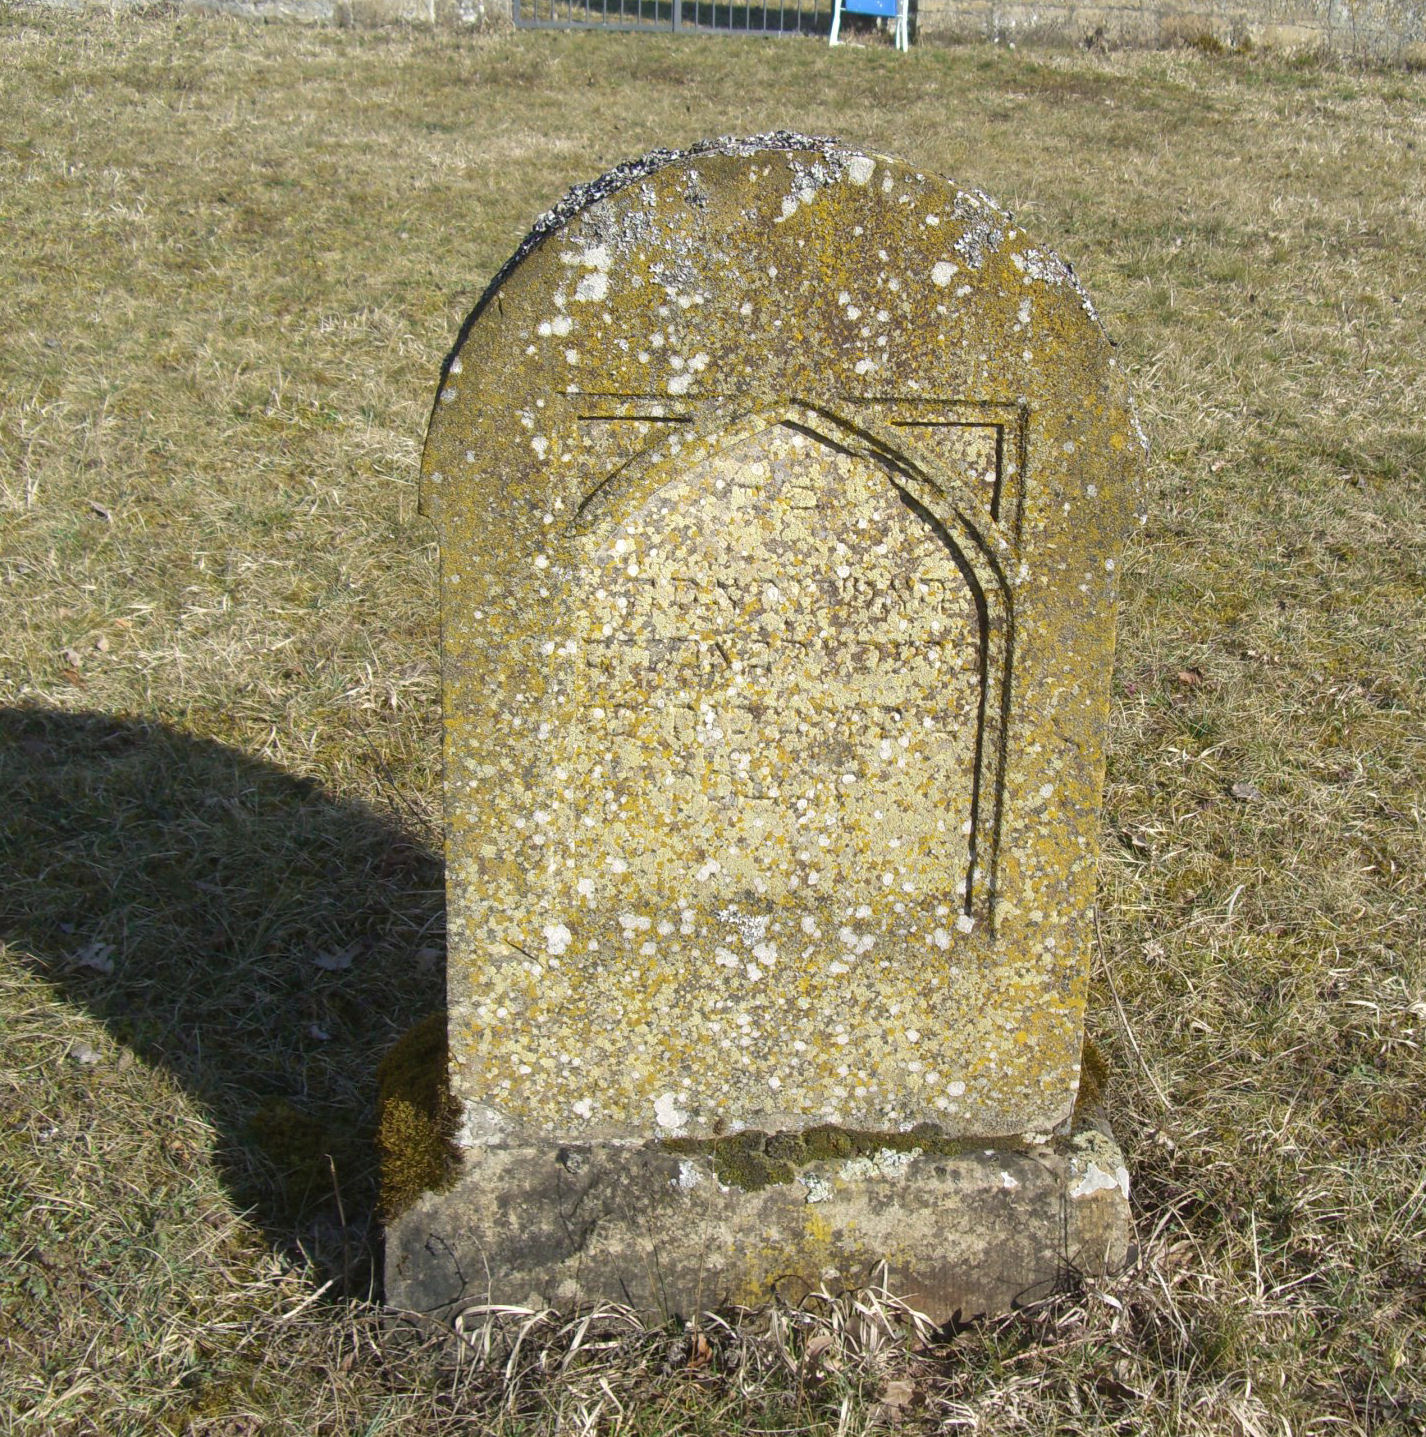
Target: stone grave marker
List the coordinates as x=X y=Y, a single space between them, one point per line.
x=779 y=490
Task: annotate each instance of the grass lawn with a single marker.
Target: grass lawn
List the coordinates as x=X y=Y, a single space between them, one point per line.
x=232 y=257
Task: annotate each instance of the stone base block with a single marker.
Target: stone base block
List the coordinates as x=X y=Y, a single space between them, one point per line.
x=976 y=1232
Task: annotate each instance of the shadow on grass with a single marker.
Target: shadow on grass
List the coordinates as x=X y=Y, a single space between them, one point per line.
x=260 y=939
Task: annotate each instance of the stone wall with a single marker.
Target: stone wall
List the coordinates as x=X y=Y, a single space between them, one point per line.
x=1378 y=28
x=477 y=14
x=1393 y=30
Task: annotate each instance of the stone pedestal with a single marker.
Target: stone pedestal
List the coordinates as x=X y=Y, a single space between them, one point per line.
x=960 y=1233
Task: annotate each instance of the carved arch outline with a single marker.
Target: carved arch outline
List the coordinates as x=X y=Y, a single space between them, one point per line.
x=964 y=526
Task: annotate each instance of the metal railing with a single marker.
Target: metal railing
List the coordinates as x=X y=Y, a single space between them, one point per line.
x=798 y=17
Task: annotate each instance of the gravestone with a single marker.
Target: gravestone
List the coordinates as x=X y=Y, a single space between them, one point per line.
x=779 y=490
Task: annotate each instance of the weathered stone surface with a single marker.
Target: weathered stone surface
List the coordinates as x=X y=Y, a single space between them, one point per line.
x=780 y=489
x=960 y=1235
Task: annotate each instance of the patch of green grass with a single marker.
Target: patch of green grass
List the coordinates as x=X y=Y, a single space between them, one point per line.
x=234 y=257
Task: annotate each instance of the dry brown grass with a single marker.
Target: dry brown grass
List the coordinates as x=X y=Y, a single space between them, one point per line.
x=233 y=257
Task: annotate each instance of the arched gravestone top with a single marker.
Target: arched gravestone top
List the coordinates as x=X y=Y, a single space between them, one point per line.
x=779 y=489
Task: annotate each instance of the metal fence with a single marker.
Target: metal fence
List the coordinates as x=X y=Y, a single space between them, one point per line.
x=798 y=17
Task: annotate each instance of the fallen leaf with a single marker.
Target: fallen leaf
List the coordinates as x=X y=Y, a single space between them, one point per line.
x=102 y=644
x=73 y=658
x=818 y=1356
x=1190 y=678
x=1246 y=792
x=340 y=960
x=83 y=1054
x=700 y=1351
x=96 y=955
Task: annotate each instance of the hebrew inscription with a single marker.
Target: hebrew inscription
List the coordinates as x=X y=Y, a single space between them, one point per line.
x=723 y=649
x=767 y=700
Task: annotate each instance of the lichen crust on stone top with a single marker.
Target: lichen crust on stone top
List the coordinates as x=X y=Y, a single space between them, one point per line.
x=1042 y=264
x=780 y=491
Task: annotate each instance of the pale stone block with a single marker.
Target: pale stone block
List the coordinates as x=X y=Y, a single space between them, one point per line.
x=982 y=1230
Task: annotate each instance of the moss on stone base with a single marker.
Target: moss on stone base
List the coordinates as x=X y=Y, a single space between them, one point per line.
x=1093 y=1077
x=416 y=1117
x=752 y=1159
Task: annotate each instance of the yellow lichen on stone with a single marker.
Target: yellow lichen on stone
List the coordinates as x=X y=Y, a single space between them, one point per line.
x=780 y=496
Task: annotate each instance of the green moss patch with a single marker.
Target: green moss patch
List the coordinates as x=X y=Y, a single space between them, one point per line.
x=308 y=1155
x=753 y=1159
x=416 y=1118
x=1093 y=1077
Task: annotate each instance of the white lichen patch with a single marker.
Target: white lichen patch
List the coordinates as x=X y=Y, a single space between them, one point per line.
x=860 y=169
x=481 y=1125
x=1096 y=1166
x=884 y=1163
x=1096 y=1179
x=667 y=1114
